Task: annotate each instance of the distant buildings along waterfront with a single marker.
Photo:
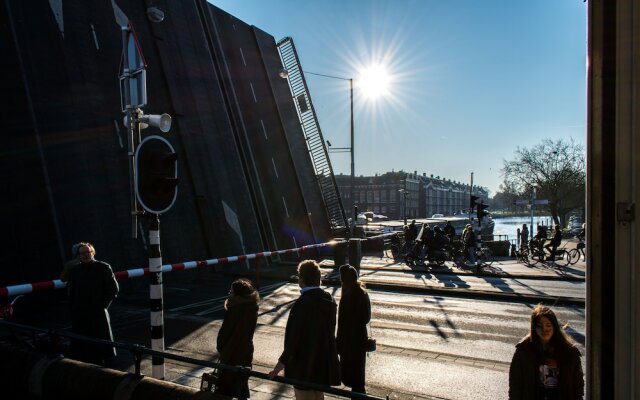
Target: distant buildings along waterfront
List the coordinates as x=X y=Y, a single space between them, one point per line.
x=426 y=195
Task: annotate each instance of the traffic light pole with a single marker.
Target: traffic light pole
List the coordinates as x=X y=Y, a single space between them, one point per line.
x=156 y=296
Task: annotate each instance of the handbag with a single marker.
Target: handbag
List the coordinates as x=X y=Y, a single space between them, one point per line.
x=370 y=345
x=209 y=381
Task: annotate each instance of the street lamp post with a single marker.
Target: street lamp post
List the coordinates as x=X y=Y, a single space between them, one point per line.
x=350 y=148
x=405 y=193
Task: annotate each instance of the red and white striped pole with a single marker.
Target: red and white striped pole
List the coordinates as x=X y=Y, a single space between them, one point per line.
x=155 y=296
x=26 y=288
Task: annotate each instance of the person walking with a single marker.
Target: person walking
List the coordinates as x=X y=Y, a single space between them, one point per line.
x=524 y=236
x=235 y=338
x=546 y=363
x=354 y=313
x=469 y=241
x=92 y=288
x=310 y=352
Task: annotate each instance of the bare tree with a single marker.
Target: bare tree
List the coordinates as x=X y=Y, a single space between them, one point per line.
x=504 y=198
x=557 y=169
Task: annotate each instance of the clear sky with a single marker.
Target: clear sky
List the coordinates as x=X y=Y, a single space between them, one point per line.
x=468 y=81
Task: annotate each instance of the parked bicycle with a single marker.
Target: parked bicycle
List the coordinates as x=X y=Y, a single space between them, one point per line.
x=574 y=255
x=484 y=256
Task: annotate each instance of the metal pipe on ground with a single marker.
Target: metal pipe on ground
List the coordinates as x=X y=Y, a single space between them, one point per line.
x=27 y=374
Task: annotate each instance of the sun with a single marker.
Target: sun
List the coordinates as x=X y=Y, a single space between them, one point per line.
x=374 y=81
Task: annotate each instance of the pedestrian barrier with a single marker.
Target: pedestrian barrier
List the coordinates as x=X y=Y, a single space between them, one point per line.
x=32 y=373
x=27 y=288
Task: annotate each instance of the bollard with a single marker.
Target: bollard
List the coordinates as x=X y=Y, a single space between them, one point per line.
x=355 y=253
x=340 y=252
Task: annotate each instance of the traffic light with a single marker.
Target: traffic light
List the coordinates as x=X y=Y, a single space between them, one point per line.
x=472 y=202
x=157 y=172
x=481 y=211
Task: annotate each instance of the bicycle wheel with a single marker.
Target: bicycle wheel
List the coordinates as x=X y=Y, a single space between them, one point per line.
x=458 y=257
x=538 y=256
x=394 y=250
x=564 y=258
x=410 y=259
x=573 y=256
x=486 y=256
x=523 y=255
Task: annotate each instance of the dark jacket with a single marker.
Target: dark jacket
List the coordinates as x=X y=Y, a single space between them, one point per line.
x=557 y=238
x=524 y=374
x=235 y=343
x=469 y=239
x=309 y=342
x=449 y=230
x=235 y=337
x=353 y=315
x=524 y=237
x=92 y=288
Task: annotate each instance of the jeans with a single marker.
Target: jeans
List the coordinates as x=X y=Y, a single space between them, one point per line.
x=471 y=252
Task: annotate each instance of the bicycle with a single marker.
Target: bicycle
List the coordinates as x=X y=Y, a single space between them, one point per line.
x=575 y=254
x=400 y=249
x=484 y=256
x=540 y=254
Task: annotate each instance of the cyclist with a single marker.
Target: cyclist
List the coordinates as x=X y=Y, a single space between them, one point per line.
x=449 y=230
x=427 y=238
x=413 y=231
x=440 y=243
x=539 y=239
x=552 y=246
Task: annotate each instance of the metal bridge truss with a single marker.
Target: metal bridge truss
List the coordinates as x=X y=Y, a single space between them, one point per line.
x=313 y=135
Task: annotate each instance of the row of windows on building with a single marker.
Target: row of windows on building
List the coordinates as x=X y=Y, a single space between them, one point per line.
x=400 y=194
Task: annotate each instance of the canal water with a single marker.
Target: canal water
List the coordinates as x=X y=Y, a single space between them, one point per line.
x=509 y=225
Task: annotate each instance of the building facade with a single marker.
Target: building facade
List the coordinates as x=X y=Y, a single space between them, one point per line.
x=400 y=195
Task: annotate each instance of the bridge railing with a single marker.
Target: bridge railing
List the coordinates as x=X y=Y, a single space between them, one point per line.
x=139 y=351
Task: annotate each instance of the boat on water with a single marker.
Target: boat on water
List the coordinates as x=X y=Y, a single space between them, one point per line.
x=368 y=217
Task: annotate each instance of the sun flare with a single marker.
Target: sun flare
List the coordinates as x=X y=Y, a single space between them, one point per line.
x=374 y=81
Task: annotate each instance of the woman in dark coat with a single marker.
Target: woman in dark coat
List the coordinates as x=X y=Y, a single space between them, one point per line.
x=546 y=364
x=92 y=288
x=354 y=312
x=235 y=338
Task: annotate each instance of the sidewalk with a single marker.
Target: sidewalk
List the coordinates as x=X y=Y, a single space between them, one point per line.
x=385 y=273
x=190 y=375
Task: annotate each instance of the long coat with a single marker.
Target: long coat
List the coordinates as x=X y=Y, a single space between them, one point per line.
x=235 y=343
x=524 y=373
x=353 y=315
x=309 y=342
x=92 y=288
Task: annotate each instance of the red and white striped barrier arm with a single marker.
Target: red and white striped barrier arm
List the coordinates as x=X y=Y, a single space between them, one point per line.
x=384 y=235
x=27 y=288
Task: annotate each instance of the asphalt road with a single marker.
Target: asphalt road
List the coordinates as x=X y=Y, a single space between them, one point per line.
x=453 y=348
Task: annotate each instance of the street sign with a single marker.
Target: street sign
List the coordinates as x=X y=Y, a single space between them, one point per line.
x=133 y=75
x=541 y=202
x=521 y=202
